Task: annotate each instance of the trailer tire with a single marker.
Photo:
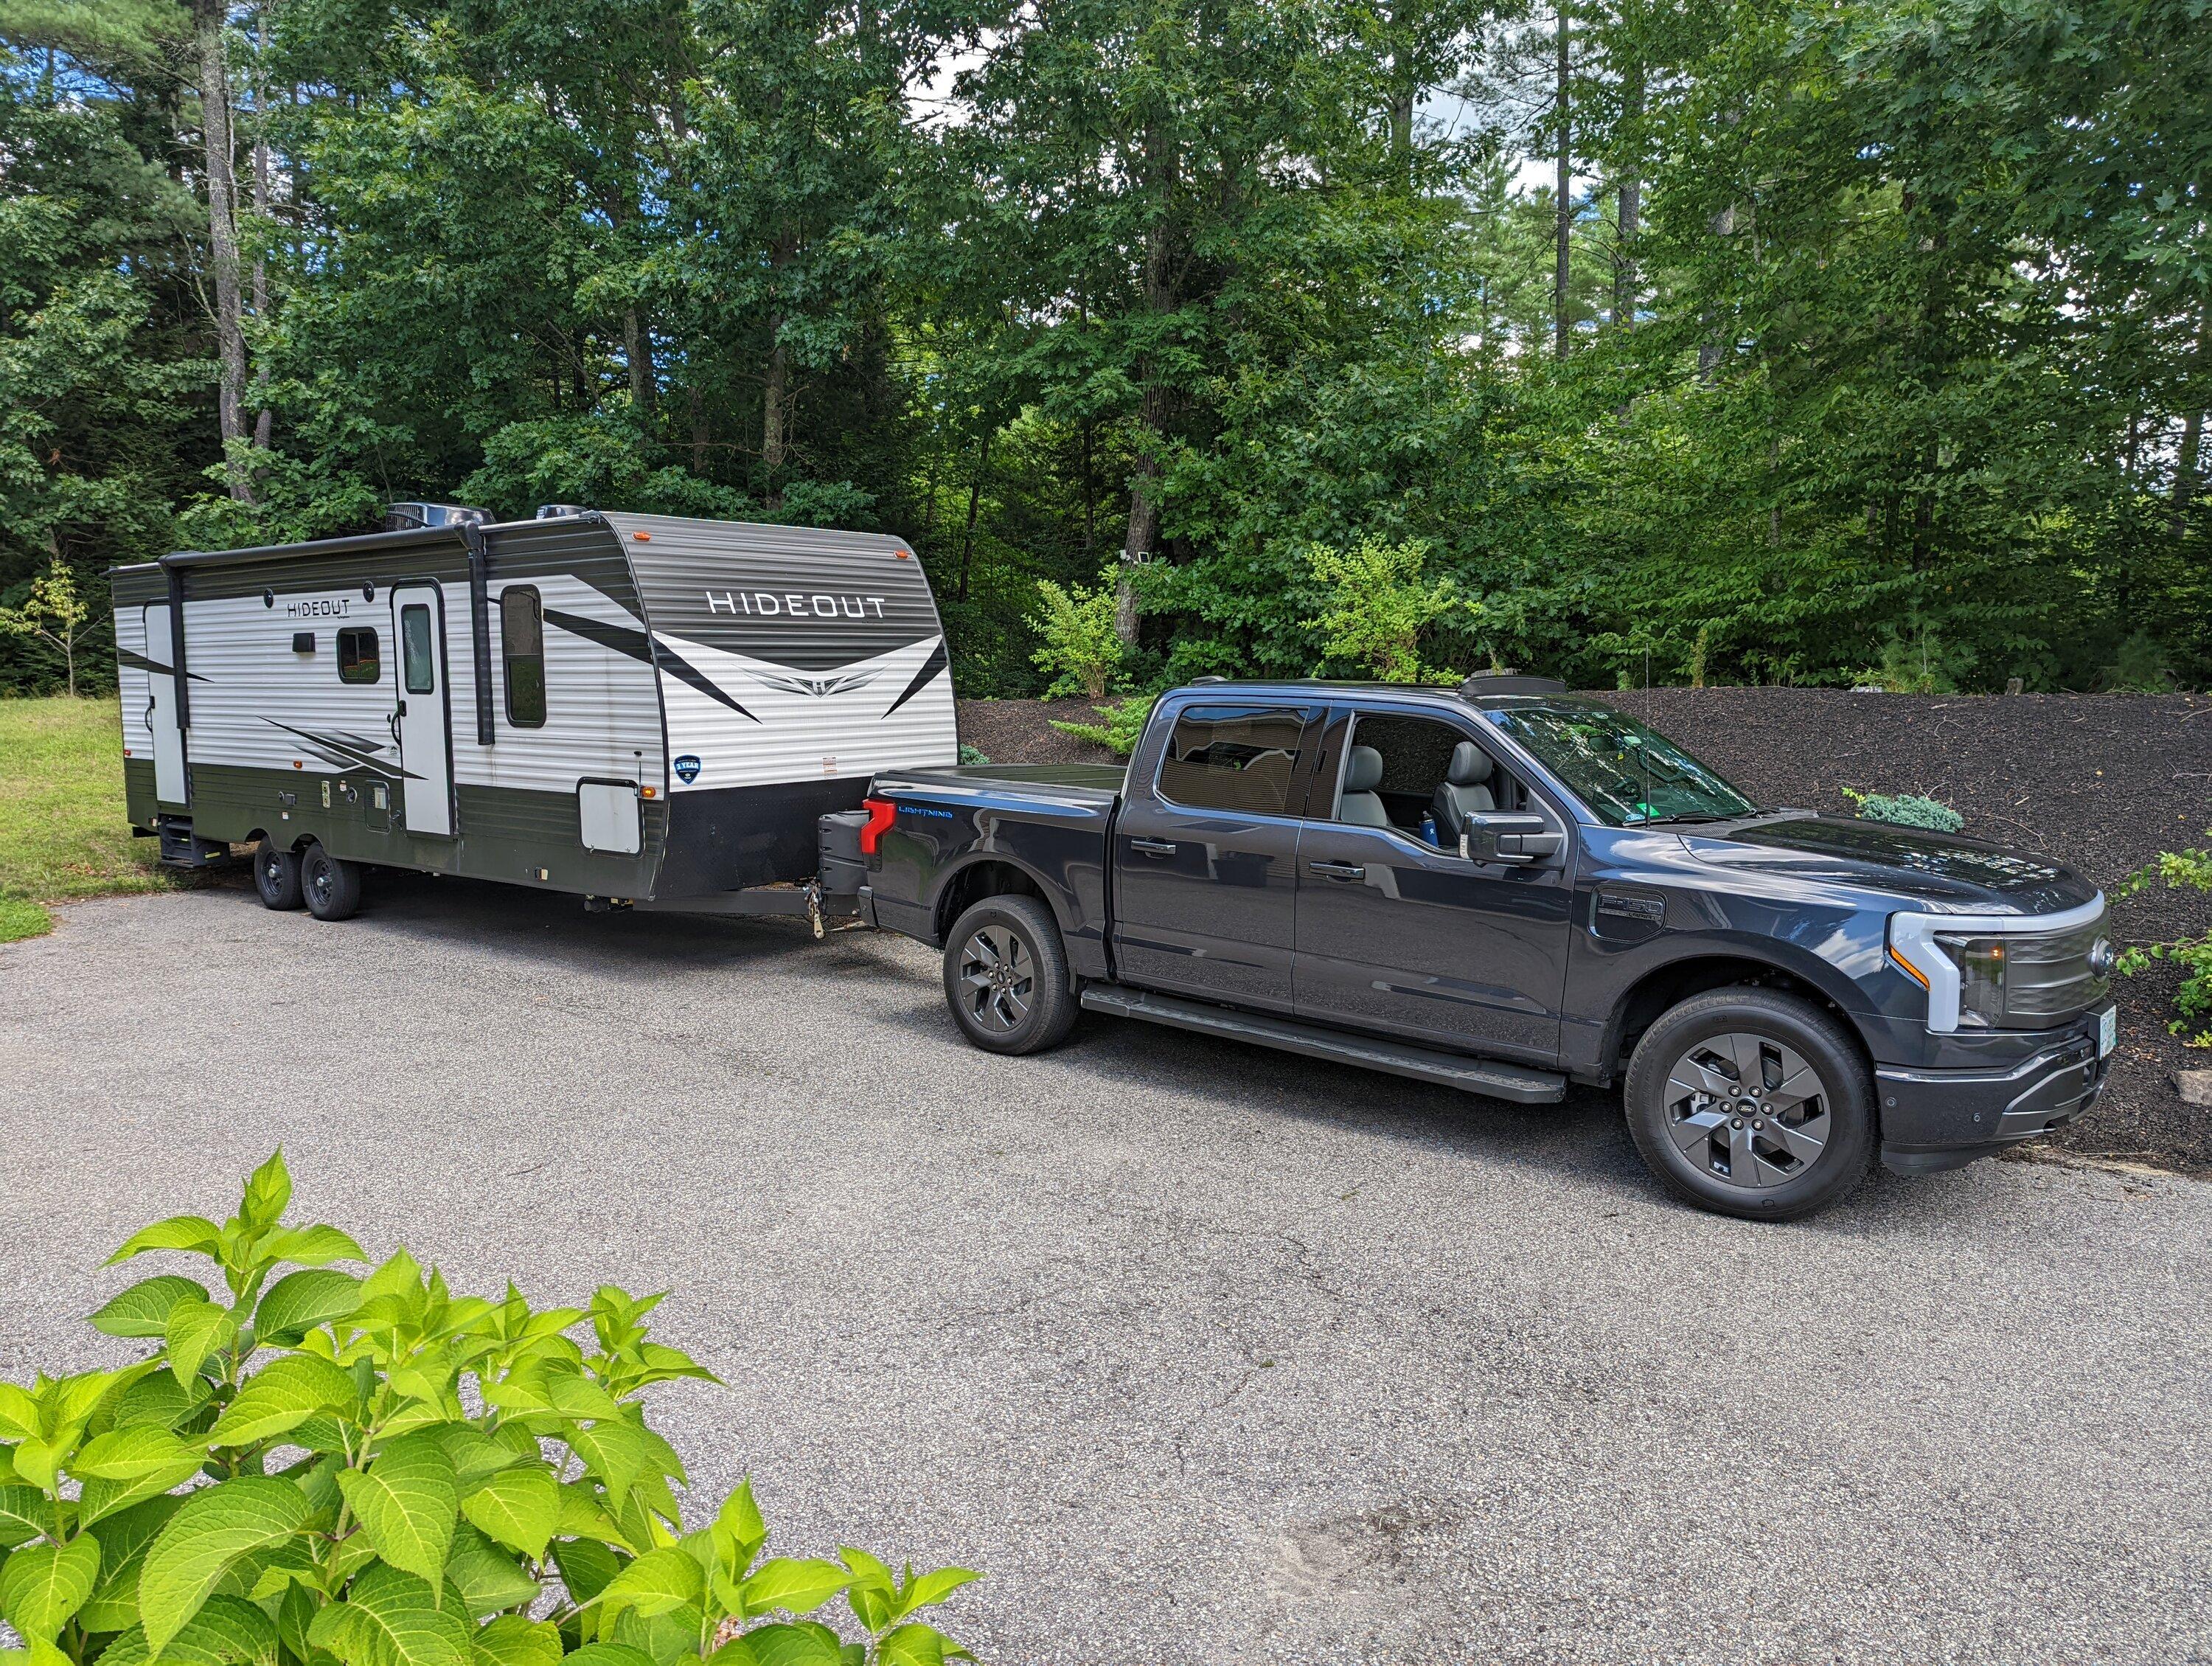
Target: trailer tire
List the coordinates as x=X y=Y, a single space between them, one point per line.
x=330 y=884
x=1005 y=976
x=276 y=875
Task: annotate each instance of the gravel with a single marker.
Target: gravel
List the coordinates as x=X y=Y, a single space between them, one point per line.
x=1202 y=1353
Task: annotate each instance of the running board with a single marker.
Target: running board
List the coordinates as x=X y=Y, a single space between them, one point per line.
x=1483 y=1076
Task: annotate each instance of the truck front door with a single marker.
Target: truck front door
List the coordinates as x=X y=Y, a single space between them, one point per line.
x=1397 y=931
x=1205 y=852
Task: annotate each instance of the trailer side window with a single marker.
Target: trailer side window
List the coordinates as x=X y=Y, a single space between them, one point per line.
x=522 y=640
x=357 y=657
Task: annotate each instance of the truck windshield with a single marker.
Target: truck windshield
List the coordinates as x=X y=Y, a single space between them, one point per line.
x=1630 y=774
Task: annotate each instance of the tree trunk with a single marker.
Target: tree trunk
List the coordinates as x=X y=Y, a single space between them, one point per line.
x=223 y=234
x=1403 y=92
x=1563 y=272
x=1631 y=206
x=1144 y=530
x=265 y=420
x=637 y=349
x=974 y=498
x=2189 y=458
x=776 y=387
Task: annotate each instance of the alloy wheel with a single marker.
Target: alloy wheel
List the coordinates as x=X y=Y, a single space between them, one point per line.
x=1746 y=1109
x=998 y=978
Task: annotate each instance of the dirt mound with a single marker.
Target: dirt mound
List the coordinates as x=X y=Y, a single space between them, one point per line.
x=2104 y=782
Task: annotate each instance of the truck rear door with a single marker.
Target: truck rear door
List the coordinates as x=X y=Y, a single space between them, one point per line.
x=1205 y=850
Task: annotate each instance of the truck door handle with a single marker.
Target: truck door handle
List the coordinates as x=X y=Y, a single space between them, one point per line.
x=1153 y=847
x=1337 y=870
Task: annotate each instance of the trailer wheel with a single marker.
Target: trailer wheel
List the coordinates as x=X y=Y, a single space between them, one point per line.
x=1005 y=976
x=331 y=885
x=276 y=875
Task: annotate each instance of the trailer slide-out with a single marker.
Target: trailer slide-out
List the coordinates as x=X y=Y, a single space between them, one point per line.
x=637 y=708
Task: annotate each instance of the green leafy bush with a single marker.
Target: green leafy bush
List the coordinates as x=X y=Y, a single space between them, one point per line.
x=1079 y=646
x=1378 y=605
x=1906 y=810
x=316 y=1469
x=1123 y=727
x=971 y=757
x=2179 y=869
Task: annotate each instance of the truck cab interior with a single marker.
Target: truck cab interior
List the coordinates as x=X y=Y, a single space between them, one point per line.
x=1419 y=777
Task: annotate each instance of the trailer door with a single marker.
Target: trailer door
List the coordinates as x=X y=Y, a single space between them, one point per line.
x=419 y=720
x=162 y=707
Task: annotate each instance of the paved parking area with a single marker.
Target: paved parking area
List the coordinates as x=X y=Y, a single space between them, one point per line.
x=1205 y=1354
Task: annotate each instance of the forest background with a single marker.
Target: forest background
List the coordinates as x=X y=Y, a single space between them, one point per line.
x=1722 y=340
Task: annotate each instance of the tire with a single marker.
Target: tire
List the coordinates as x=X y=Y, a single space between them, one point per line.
x=276 y=875
x=329 y=885
x=1743 y=1159
x=1005 y=976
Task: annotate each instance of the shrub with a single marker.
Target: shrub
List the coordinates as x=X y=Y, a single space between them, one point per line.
x=2180 y=870
x=1080 y=648
x=1378 y=607
x=1907 y=810
x=313 y=1469
x=970 y=757
x=1123 y=727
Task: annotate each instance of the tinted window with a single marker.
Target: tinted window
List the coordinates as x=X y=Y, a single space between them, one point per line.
x=1628 y=774
x=357 y=659
x=1233 y=757
x=415 y=649
x=522 y=640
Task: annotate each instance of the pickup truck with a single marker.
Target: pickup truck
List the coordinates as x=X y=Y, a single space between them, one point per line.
x=1504 y=888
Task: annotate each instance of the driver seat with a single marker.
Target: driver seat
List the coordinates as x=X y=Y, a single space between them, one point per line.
x=1464 y=791
x=1360 y=804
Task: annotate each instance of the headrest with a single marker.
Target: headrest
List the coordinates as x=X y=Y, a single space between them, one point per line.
x=1469 y=764
x=1363 y=770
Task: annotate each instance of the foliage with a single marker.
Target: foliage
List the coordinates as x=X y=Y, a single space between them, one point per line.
x=2179 y=869
x=1889 y=358
x=972 y=758
x=1906 y=810
x=53 y=613
x=1123 y=727
x=1075 y=628
x=62 y=830
x=1376 y=607
x=314 y=1467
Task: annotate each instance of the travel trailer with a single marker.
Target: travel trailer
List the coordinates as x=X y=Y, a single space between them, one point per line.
x=636 y=709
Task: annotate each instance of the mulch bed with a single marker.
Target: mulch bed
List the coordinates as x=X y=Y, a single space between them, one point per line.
x=2101 y=781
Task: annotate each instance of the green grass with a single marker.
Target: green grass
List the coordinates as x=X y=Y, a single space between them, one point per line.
x=62 y=830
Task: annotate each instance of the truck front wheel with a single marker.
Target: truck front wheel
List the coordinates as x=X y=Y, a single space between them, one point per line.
x=1751 y=1103
x=1005 y=976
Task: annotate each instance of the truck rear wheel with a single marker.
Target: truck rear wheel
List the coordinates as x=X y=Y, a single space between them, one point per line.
x=330 y=884
x=276 y=875
x=1005 y=976
x=1751 y=1103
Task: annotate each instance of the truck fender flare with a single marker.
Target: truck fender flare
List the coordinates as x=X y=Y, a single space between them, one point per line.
x=1046 y=890
x=1775 y=952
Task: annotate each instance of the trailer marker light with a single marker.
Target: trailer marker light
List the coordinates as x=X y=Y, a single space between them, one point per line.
x=642 y=537
x=298 y=764
x=648 y=792
x=881 y=813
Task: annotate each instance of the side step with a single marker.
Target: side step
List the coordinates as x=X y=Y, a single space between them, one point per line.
x=181 y=848
x=1483 y=1076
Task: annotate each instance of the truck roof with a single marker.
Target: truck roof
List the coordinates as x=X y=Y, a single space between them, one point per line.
x=1488 y=689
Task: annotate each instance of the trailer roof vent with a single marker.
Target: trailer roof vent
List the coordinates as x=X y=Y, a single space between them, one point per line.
x=557 y=511
x=405 y=517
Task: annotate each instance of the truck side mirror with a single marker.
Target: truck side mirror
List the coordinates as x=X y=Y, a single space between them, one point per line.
x=1516 y=840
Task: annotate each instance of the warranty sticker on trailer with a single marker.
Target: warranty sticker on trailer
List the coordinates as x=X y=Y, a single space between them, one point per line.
x=688 y=767
x=2108 y=1031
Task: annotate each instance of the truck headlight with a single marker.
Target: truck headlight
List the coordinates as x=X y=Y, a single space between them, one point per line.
x=2005 y=971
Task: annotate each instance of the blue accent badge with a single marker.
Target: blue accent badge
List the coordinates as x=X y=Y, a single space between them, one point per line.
x=688 y=767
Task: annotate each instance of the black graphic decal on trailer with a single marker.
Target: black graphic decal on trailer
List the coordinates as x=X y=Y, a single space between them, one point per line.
x=935 y=662
x=346 y=752
x=623 y=639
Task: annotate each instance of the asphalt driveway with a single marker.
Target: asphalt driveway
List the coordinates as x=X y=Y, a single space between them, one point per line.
x=1205 y=1354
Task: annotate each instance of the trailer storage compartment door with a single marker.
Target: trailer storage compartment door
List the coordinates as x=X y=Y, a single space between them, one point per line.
x=608 y=812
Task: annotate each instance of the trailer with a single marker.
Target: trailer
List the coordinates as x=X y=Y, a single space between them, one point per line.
x=642 y=710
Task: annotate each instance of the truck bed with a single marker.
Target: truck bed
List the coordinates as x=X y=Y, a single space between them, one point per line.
x=1068 y=783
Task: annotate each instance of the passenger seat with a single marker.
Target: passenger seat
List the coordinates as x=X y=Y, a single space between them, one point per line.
x=1465 y=791
x=1361 y=805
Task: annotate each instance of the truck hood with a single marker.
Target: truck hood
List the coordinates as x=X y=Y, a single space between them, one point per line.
x=1939 y=871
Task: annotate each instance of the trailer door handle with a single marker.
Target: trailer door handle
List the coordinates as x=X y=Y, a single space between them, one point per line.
x=1337 y=870
x=1153 y=847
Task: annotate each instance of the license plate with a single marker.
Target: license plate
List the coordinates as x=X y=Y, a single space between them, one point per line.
x=2108 y=1030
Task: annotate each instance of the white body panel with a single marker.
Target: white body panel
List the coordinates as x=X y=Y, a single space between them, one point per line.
x=167 y=742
